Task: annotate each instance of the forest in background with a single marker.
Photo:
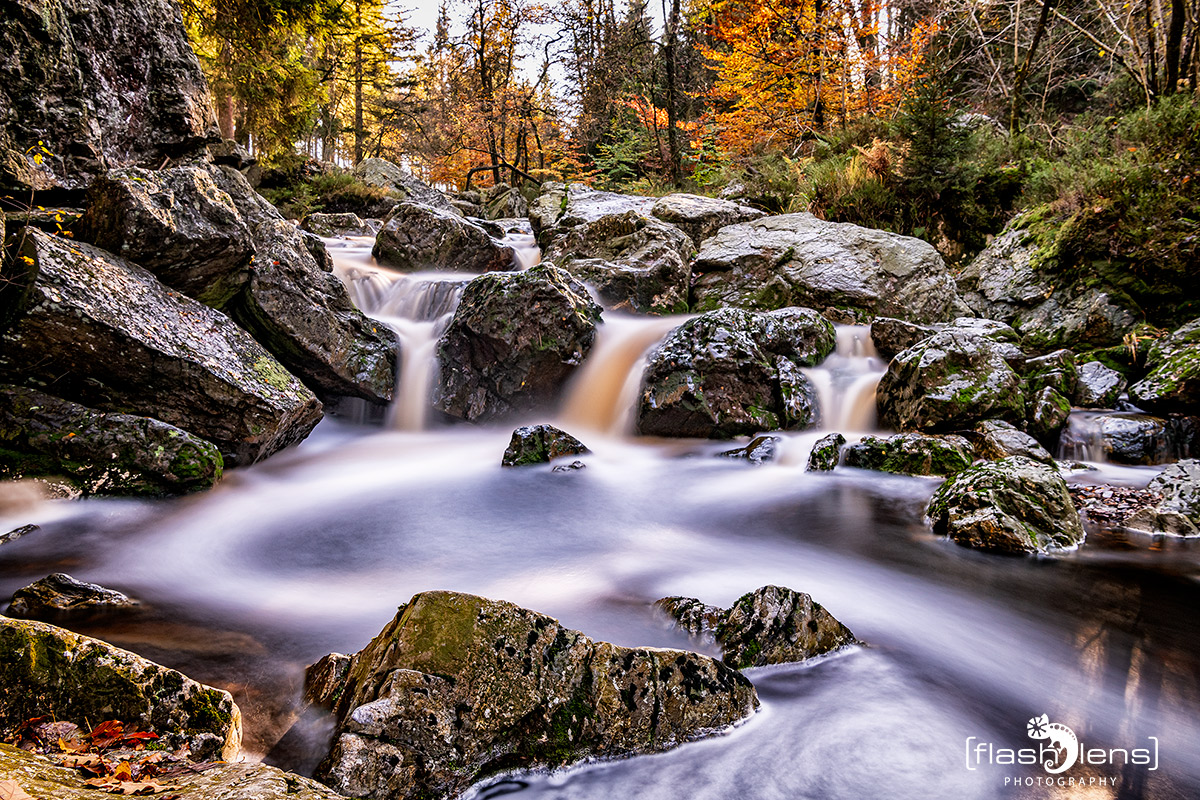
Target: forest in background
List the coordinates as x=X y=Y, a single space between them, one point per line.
x=939 y=120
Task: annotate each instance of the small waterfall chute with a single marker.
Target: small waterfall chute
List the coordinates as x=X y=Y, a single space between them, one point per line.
x=846 y=381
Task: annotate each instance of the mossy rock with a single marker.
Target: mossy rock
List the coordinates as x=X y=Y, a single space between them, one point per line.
x=911 y=454
x=540 y=444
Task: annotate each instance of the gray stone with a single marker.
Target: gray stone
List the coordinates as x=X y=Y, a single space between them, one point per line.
x=60 y=595
x=344 y=224
x=228 y=153
x=1014 y=505
x=798 y=259
x=1122 y=438
x=826 y=453
x=911 y=454
x=386 y=175
x=1048 y=412
x=701 y=217
x=561 y=207
x=416 y=237
x=505 y=202
x=892 y=336
x=1172 y=383
x=1179 y=510
x=758 y=451
x=1056 y=370
x=540 y=444
x=1098 y=386
x=996 y=439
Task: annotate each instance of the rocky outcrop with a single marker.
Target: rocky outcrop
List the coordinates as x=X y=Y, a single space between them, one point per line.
x=911 y=454
x=540 y=444
x=799 y=260
x=87 y=87
x=344 y=224
x=891 y=336
x=1172 y=383
x=771 y=625
x=178 y=224
x=457 y=688
x=561 y=207
x=1014 y=505
x=49 y=671
x=826 y=453
x=416 y=237
x=60 y=595
x=515 y=339
x=1046 y=414
x=43 y=777
x=100 y=453
x=637 y=263
x=504 y=202
x=1097 y=386
x=701 y=217
x=1056 y=370
x=1179 y=510
x=384 y=174
x=733 y=373
x=949 y=382
x=995 y=439
x=98 y=330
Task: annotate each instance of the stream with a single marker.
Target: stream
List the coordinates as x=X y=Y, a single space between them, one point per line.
x=312 y=551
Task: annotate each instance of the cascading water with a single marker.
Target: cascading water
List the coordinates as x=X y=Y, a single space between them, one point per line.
x=846 y=382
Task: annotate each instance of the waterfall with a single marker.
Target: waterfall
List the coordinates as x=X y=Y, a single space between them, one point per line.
x=846 y=381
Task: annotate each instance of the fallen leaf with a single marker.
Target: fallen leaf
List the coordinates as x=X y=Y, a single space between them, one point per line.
x=11 y=790
x=129 y=788
x=91 y=762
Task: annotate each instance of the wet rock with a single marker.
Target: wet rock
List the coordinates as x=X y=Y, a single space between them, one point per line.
x=505 y=202
x=17 y=533
x=1122 y=438
x=1014 y=505
x=637 y=263
x=1178 y=511
x=995 y=439
x=95 y=329
x=457 y=688
x=386 y=175
x=911 y=454
x=344 y=224
x=1055 y=370
x=1098 y=386
x=540 y=444
x=60 y=595
x=1111 y=505
x=316 y=248
x=42 y=776
x=701 y=217
x=732 y=373
x=1173 y=381
x=758 y=451
x=1048 y=413
x=228 y=153
x=892 y=336
x=799 y=260
x=561 y=207
x=177 y=223
x=49 y=671
x=826 y=453
x=97 y=452
x=513 y=342
x=572 y=467
x=99 y=86
x=949 y=382
x=771 y=625
x=416 y=237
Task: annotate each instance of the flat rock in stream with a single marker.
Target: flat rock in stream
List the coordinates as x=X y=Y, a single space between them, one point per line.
x=771 y=625
x=458 y=688
x=60 y=595
x=50 y=671
x=95 y=329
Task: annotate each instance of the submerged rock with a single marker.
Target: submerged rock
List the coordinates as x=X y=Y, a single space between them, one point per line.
x=799 y=260
x=996 y=439
x=177 y=223
x=826 y=453
x=540 y=444
x=43 y=777
x=416 y=237
x=701 y=217
x=60 y=595
x=758 y=451
x=732 y=373
x=49 y=671
x=1173 y=381
x=97 y=452
x=911 y=454
x=99 y=86
x=1097 y=386
x=98 y=330
x=458 y=688
x=1014 y=505
x=949 y=382
x=515 y=339
x=1179 y=510
x=771 y=625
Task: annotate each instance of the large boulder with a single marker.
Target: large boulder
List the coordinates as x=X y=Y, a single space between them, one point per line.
x=891 y=335
x=1014 y=280
x=515 y=339
x=95 y=329
x=416 y=237
x=800 y=260
x=771 y=625
x=911 y=454
x=458 y=688
x=344 y=224
x=1097 y=386
x=732 y=372
x=1122 y=438
x=60 y=595
x=302 y=313
x=384 y=174
x=178 y=224
x=86 y=87
x=1173 y=381
x=43 y=777
x=1014 y=505
x=949 y=382
x=701 y=217
x=505 y=202
x=995 y=439
x=100 y=453
x=1179 y=510
x=49 y=671
x=637 y=263
x=561 y=207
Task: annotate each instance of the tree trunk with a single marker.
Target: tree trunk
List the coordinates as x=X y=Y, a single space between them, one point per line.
x=359 y=132
x=672 y=36
x=1014 y=109
x=1174 y=41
